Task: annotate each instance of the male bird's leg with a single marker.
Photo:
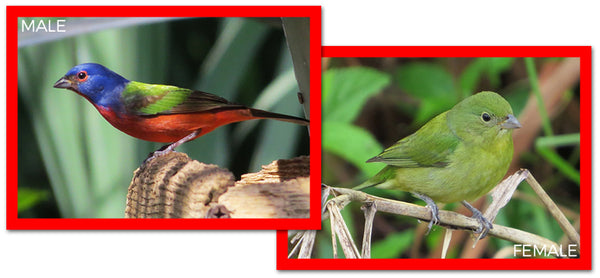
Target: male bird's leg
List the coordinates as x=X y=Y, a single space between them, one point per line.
x=435 y=219
x=484 y=224
x=170 y=147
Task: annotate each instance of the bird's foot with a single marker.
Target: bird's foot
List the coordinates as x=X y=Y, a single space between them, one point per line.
x=435 y=218
x=171 y=147
x=484 y=224
x=160 y=152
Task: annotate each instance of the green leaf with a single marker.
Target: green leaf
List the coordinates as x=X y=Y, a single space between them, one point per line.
x=28 y=198
x=492 y=67
x=431 y=84
x=297 y=29
x=393 y=245
x=346 y=90
x=495 y=67
x=352 y=143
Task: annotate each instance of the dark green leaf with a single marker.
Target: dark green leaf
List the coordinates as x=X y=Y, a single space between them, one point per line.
x=431 y=84
x=492 y=67
x=393 y=245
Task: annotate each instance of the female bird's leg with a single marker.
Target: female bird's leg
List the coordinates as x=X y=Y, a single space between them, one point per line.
x=170 y=147
x=435 y=219
x=484 y=224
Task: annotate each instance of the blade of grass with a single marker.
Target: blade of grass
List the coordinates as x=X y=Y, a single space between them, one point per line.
x=535 y=85
x=104 y=143
x=54 y=117
x=297 y=33
x=545 y=147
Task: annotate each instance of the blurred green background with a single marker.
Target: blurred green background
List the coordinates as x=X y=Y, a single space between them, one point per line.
x=370 y=103
x=72 y=163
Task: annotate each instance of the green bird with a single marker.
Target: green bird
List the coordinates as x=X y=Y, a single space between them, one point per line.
x=459 y=155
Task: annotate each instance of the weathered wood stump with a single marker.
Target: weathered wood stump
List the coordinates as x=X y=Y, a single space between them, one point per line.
x=175 y=186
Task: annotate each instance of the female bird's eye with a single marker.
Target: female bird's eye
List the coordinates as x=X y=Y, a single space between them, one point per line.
x=486 y=117
x=82 y=76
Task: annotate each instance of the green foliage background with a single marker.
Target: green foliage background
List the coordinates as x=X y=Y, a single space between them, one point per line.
x=370 y=103
x=72 y=163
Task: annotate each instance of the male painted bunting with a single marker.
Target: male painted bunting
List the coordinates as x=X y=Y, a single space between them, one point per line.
x=459 y=155
x=157 y=113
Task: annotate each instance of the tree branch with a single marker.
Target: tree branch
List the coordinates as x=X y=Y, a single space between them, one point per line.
x=449 y=219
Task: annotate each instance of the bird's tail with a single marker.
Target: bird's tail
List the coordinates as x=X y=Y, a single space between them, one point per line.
x=372 y=182
x=280 y=117
x=385 y=175
x=364 y=185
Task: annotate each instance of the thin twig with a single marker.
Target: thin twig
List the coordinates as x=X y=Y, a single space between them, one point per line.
x=370 y=210
x=564 y=223
x=296 y=242
x=339 y=229
x=308 y=241
x=447 y=239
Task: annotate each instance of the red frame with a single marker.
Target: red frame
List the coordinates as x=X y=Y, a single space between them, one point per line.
x=582 y=263
x=14 y=12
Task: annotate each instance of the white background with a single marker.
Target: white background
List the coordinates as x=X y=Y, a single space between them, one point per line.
x=252 y=253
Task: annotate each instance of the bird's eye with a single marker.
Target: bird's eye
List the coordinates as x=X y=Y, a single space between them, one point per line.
x=82 y=76
x=486 y=117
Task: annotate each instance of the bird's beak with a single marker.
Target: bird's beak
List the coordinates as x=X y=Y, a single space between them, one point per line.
x=511 y=122
x=63 y=83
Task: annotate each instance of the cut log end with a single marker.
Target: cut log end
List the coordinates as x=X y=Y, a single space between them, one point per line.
x=175 y=186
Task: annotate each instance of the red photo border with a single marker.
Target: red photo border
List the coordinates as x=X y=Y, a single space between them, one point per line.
x=14 y=12
x=584 y=262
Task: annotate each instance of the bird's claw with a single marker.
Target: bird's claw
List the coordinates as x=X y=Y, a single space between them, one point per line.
x=435 y=218
x=484 y=224
x=171 y=147
x=160 y=152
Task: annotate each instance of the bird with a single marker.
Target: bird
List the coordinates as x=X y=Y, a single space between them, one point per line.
x=457 y=156
x=157 y=113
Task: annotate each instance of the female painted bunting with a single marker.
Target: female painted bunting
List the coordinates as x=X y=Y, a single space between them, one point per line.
x=157 y=113
x=459 y=155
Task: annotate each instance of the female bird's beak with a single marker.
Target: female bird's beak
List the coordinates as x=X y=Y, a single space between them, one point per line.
x=511 y=122
x=63 y=83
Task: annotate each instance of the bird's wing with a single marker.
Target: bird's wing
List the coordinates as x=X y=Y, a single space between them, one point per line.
x=430 y=146
x=147 y=99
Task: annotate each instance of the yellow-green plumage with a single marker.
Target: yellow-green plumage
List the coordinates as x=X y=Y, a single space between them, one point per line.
x=151 y=99
x=459 y=155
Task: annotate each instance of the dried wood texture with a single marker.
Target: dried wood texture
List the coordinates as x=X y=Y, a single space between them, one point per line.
x=279 y=190
x=174 y=186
